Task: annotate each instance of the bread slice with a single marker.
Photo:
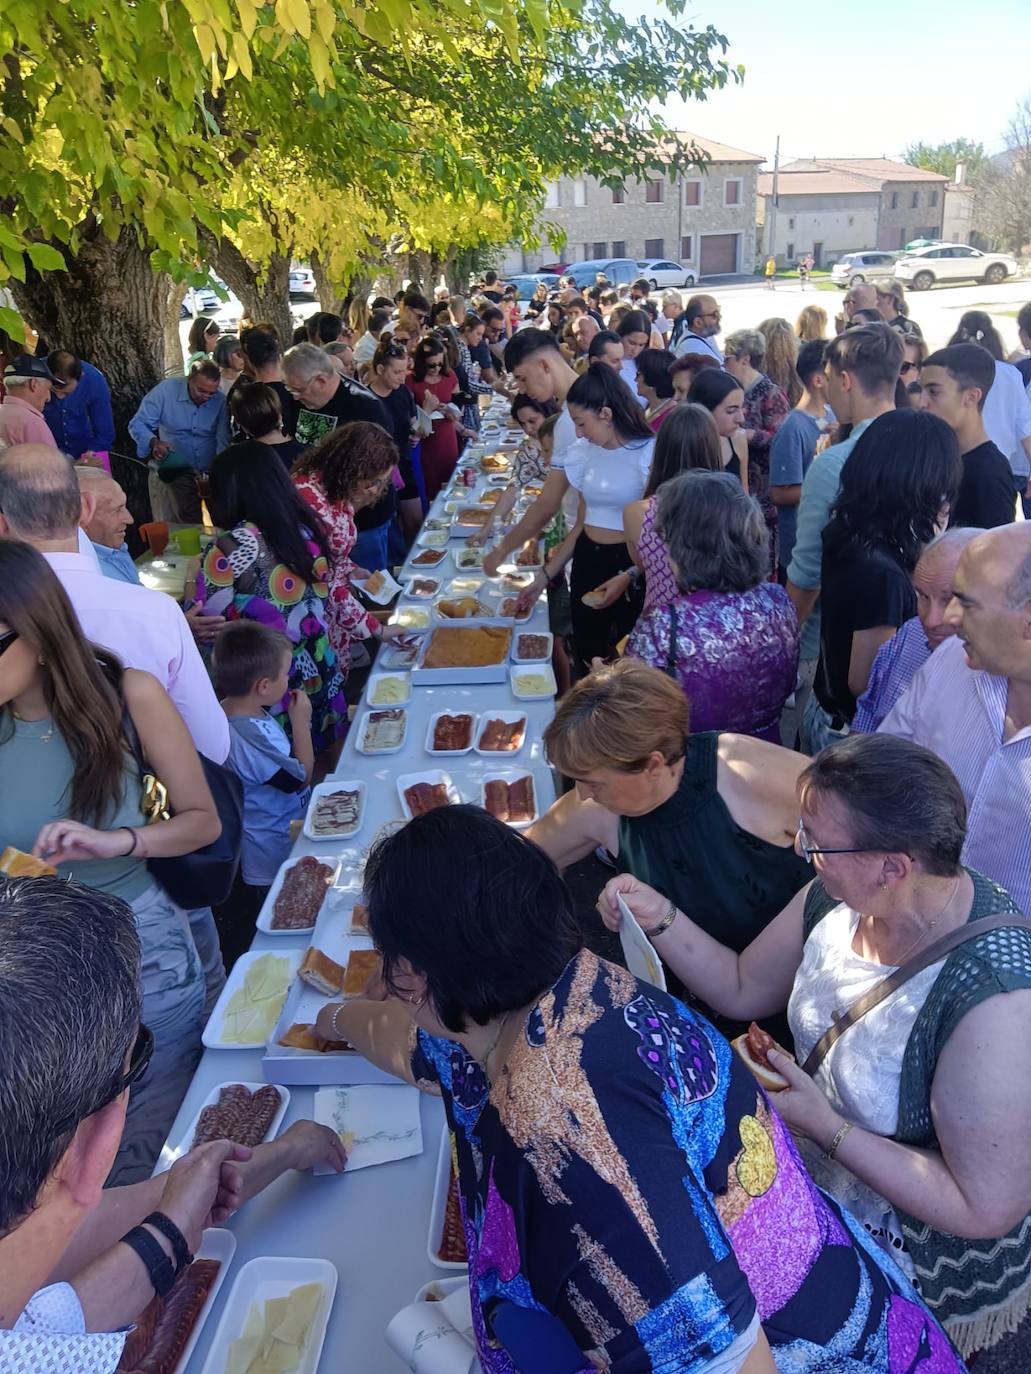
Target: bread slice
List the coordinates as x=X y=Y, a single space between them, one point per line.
x=361 y=966
x=321 y=972
x=15 y=863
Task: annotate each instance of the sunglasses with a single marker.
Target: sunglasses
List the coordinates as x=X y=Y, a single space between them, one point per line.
x=908 y=367
x=139 y=1060
x=6 y=640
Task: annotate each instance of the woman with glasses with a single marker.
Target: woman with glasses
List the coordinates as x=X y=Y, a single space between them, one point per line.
x=918 y=1119
x=433 y=384
x=914 y=355
x=73 y=795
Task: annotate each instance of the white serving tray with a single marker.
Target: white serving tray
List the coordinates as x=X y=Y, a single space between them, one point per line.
x=450 y=753
x=432 y=776
x=542 y=634
x=338 y=785
x=363 y=724
x=385 y=594
x=273 y=1276
x=521 y=671
x=509 y=718
x=216 y=1244
x=264 y=922
x=511 y=775
x=431 y=677
x=465 y=560
x=178 y=1145
x=439 y=1205
x=212 y=1036
x=432 y=539
x=413 y=569
x=414 y=598
x=373 y=684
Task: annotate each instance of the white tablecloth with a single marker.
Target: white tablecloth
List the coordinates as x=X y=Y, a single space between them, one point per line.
x=373 y=1225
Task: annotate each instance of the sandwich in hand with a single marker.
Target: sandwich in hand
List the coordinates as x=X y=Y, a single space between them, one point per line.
x=754 y=1048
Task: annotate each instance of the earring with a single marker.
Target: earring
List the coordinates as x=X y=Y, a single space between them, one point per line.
x=42 y=662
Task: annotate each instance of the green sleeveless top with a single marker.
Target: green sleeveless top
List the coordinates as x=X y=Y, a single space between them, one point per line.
x=729 y=882
x=979 y=1290
x=36 y=769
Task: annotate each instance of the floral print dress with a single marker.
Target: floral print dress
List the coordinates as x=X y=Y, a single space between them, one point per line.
x=346 y=618
x=626 y=1185
x=240 y=578
x=764 y=411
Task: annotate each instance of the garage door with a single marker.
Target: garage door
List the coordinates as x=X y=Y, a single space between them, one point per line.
x=718 y=254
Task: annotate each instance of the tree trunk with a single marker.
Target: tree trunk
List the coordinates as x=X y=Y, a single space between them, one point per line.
x=173 y=339
x=264 y=292
x=326 y=291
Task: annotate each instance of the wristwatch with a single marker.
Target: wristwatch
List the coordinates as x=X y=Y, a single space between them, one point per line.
x=665 y=923
x=155 y=1261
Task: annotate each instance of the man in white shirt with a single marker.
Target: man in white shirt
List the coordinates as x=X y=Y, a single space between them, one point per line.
x=71 y=1044
x=702 y=323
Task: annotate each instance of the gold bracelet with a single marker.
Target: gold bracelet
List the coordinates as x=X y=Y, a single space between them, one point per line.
x=665 y=923
x=839 y=1136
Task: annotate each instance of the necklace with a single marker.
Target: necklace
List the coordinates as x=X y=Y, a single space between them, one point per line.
x=494 y=1043
x=45 y=738
x=922 y=935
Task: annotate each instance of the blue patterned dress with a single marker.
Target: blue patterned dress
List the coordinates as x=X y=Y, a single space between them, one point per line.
x=627 y=1176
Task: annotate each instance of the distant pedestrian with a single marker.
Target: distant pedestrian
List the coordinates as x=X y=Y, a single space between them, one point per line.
x=805 y=268
x=771 y=272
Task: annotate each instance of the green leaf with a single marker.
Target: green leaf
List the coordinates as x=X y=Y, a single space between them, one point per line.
x=44 y=258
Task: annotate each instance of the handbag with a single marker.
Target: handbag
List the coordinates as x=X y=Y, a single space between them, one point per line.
x=205 y=877
x=945 y=945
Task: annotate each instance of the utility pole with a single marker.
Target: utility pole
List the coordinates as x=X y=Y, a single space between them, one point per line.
x=771 y=230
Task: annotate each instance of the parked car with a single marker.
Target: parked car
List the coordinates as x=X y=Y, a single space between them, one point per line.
x=854 y=268
x=660 y=273
x=953 y=262
x=558 y=268
x=619 y=271
x=526 y=283
x=199 y=300
x=302 y=283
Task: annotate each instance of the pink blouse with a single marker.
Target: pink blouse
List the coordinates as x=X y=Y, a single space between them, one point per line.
x=346 y=618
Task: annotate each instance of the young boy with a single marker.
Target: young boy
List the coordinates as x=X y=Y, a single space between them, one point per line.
x=251 y=665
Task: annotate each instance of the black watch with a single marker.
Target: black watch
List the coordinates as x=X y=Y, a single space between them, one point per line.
x=155 y=1261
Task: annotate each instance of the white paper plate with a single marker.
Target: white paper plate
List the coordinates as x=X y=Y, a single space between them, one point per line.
x=541 y=634
x=363 y=725
x=179 y=1144
x=520 y=674
x=511 y=775
x=639 y=952
x=414 y=597
x=398 y=660
x=450 y=753
x=509 y=718
x=212 y=1036
x=432 y=539
x=439 y=1205
x=216 y=1244
x=432 y=776
x=273 y=1276
x=410 y=615
x=376 y=678
x=386 y=593
x=264 y=921
x=339 y=785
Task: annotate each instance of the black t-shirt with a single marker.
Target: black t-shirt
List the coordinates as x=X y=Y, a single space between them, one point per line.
x=494 y=296
x=400 y=407
x=350 y=401
x=288 y=450
x=986 y=489
x=286 y=401
x=860 y=588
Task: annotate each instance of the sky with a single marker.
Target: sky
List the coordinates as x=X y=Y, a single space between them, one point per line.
x=860 y=80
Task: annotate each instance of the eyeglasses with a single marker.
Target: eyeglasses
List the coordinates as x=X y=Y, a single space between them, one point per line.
x=6 y=640
x=139 y=1060
x=908 y=367
x=808 y=850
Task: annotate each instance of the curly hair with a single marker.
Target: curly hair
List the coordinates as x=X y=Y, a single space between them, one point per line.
x=346 y=457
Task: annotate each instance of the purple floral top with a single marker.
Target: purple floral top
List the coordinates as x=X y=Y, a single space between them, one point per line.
x=735 y=655
x=660 y=586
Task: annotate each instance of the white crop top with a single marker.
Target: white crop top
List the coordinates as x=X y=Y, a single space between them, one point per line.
x=608 y=479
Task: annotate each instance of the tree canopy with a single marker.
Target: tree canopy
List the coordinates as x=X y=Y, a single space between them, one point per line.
x=945 y=157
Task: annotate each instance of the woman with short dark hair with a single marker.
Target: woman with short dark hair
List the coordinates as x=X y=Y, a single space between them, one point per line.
x=729 y=637
x=630 y=1199
x=914 y=1119
x=258 y=413
x=654 y=385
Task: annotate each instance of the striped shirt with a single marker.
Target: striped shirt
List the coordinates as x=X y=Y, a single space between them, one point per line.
x=898 y=660
x=960 y=713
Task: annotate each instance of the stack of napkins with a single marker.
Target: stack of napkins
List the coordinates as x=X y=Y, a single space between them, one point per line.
x=437 y=1337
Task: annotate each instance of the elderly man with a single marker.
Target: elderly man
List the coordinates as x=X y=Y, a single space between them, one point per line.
x=28 y=382
x=105 y=518
x=584 y=331
x=671 y=322
x=901 y=657
x=701 y=325
x=80 y=418
x=861 y=296
x=971 y=704
x=180 y=426
x=78 y=1264
x=322 y=398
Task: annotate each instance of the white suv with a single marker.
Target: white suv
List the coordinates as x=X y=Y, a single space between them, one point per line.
x=953 y=262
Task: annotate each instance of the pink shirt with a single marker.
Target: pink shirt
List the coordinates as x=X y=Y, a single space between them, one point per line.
x=21 y=423
x=147 y=630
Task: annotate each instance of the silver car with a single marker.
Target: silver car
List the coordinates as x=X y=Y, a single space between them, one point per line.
x=854 y=268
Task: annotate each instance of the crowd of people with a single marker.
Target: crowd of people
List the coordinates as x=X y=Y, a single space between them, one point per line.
x=789 y=579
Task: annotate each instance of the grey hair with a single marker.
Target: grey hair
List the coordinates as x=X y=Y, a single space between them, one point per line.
x=19 y=381
x=746 y=341
x=69 y=1014
x=888 y=286
x=227 y=345
x=955 y=539
x=714 y=532
x=304 y=361
x=39 y=499
x=1018 y=588
x=206 y=367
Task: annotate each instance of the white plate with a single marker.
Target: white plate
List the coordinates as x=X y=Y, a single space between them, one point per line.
x=336 y=785
x=511 y=566
x=521 y=673
x=373 y=684
x=414 y=569
x=467 y=558
x=264 y=921
x=511 y=775
x=509 y=718
x=411 y=595
x=409 y=616
x=541 y=634
x=439 y=1205
x=433 y=539
x=432 y=776
x=487 y=615
x=215 y=1244
x=396 y=659
x=450 y=753
x=212 y=1036
x=173 y=1148
x=363 y=725
x=273 y=1276
x=466 y=584
x=386 y=593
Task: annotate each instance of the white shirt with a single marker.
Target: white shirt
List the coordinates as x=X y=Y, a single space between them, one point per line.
x=1007 y=416
x=628 y=372
x=147 y=630
x=694 y=343
x=609 y=479
x=563 y=438
x=50 y=1337
x=365 y=349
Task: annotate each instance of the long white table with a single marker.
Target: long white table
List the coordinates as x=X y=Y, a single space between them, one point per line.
x=373 y=1225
